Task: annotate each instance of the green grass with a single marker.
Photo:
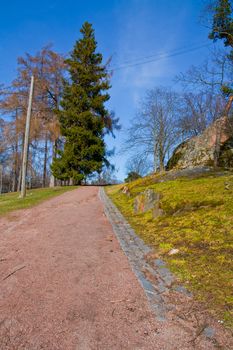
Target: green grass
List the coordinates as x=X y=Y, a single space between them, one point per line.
x=11 y=201
x=198 y=221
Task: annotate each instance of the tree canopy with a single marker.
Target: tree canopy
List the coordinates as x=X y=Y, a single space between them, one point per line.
x=222 y=26
x=83 y=116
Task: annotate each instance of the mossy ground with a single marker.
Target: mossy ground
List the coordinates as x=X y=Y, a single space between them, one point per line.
x=11 y=201
x=198 y=221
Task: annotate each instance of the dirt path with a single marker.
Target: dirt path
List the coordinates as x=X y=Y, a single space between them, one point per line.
x=66 y=284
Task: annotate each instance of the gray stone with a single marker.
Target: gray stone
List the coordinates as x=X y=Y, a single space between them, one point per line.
x=138 y=204
x=157 y=211
x=159 y=262
x=148 y=200
x=166 y=275
x=151 y=198
x=173 y=251
x=126 y=191
x=209 y=332
x=183 y=290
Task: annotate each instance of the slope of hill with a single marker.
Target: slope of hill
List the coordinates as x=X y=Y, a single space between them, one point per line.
x=197 y=222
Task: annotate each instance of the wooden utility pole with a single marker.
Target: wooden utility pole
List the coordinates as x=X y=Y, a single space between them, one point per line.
x=26 y=141
x=1 y=173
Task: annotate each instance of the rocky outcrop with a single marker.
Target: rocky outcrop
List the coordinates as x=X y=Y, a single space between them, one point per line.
x=126 y=191
x=226 y=154
x=148 y=200
x=214 y=143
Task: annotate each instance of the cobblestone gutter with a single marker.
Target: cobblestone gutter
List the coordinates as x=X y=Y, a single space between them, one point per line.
x=136 y=251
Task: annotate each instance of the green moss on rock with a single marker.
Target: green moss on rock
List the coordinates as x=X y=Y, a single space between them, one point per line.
x=226 y=154
x=177 y=155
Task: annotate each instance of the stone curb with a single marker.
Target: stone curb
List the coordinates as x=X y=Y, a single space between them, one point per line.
x=135 y=250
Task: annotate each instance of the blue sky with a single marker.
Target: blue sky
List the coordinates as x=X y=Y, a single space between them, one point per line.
x=127 y=30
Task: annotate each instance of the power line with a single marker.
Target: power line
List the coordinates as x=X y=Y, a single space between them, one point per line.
x=134 y=63
x=160 y=57
x=185 y=47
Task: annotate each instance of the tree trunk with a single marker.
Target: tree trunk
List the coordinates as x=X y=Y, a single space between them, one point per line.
x=16 y=160
x=15 y=170
x=14 y=178
x=228 y=106
x=155 y=158
x=20 y=168
x=161 y=163
x=53 y=181
x=161 y=158
x=161 y=167
x=19 y=179
x=1 y=176
x=217 y=145
x=45 y=160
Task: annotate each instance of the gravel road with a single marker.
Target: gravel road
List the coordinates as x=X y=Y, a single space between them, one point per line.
x=66 y=284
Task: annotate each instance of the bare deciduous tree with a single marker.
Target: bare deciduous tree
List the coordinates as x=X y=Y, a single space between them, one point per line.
x=197 y=111
x=212 y=80
x=48 y=69
x=139 y=164
x=153 y=131
x=214 y=73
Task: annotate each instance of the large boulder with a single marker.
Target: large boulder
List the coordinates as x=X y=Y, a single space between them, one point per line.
x=201 y=150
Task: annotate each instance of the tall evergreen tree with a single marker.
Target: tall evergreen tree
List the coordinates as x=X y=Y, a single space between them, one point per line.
x=222 y=28
x=83 y=116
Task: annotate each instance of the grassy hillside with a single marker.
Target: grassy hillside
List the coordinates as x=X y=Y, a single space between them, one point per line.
x=11 y=201
x=197 y=220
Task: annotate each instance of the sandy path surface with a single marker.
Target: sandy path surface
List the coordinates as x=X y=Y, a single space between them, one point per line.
x=66 y=284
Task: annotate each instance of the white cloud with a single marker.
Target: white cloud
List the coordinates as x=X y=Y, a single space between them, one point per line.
x=141 y=38
x=145 y=75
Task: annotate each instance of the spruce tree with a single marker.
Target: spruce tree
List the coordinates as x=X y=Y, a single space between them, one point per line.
x=83 y=116
x=222 y=28
x=222 y=25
